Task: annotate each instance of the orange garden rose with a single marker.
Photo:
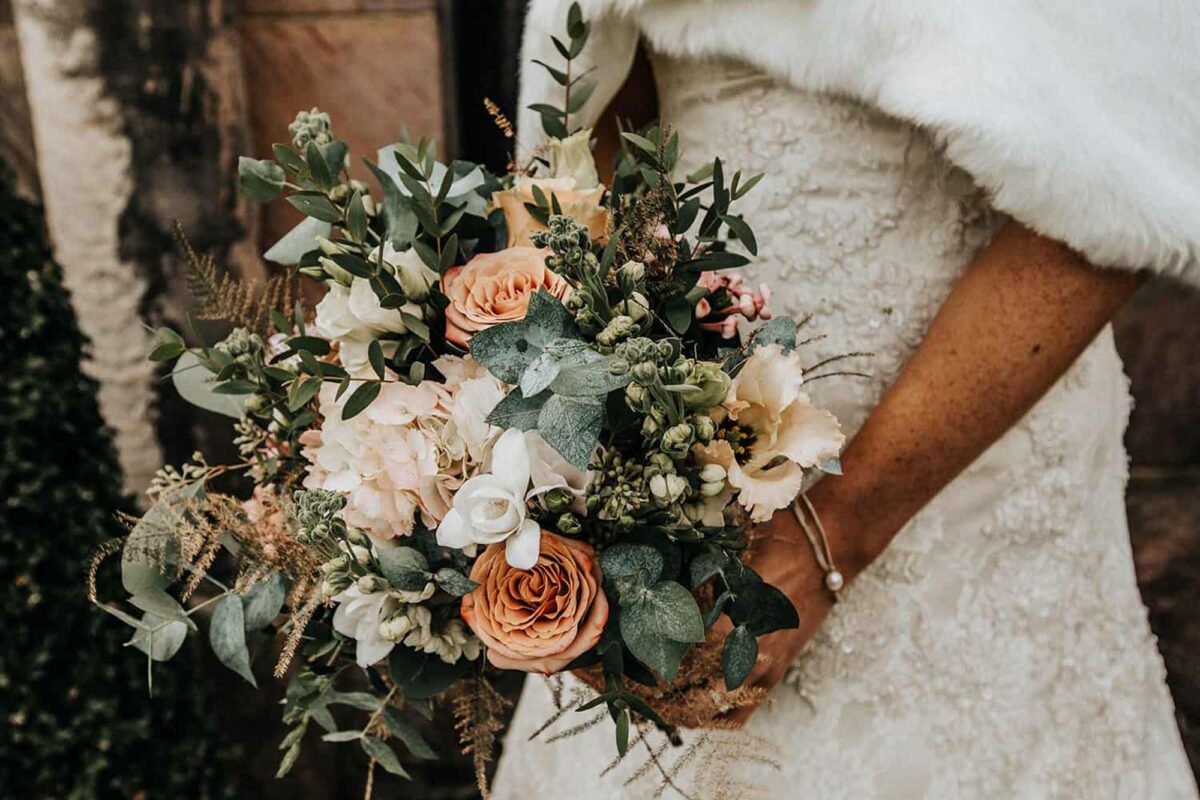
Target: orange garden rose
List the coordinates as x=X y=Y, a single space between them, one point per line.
x=496 y=287
x=583 y=206
x=540 y=619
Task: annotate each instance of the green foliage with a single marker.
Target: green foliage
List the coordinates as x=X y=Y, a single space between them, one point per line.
x=78 y=722
x=556 y=120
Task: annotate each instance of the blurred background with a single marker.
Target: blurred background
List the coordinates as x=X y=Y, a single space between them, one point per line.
x=118 y=117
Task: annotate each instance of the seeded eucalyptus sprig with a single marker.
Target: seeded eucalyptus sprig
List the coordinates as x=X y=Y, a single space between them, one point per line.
x=556 y=120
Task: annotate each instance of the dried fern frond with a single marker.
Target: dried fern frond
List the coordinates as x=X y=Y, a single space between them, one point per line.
x=479 y=716
x=225 y=297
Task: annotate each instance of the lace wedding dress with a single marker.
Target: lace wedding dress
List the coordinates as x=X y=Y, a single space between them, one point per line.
x=999 y=648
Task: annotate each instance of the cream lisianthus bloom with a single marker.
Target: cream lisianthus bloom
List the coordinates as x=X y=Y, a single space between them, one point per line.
x=769 y=432
x=491 y=508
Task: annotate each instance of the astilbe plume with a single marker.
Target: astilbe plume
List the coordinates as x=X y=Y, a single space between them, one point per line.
x=479 y=717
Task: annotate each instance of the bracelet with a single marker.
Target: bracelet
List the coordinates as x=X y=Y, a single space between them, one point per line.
x=815 y=533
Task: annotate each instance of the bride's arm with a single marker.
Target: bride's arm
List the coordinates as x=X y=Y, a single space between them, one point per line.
x=1023 y=312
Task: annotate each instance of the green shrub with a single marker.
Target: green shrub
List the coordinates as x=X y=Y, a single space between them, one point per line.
x=75 y=717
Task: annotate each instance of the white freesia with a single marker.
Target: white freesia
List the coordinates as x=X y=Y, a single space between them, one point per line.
x=572 y=158
x=490 y=508
x=358 y=616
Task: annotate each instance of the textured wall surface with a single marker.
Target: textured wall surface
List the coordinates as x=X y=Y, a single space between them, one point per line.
x=84 y=159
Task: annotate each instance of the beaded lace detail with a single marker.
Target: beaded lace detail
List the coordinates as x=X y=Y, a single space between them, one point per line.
x=999 y=648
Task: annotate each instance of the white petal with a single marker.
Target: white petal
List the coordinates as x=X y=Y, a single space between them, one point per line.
x=522 y=549
x=453 y=531
x=510 y=462
x=809 y=435
x=372 y=651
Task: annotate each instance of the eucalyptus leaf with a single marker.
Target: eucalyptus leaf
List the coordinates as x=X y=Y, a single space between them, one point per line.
x=298 y=241
x=454 y=582
x=518 y=411
x=264 y=602
x=196 y=384
x=227 y=635
x=159 y=638
x=539 y=374
x=572 y=427
x=404 y=567
x=504 y=350
x=261 y=181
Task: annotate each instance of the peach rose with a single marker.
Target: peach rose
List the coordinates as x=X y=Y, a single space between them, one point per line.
x=540 y=619
x=583 y=206
x=495 y=287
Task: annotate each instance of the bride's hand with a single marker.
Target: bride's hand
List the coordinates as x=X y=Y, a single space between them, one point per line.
x=782 y=555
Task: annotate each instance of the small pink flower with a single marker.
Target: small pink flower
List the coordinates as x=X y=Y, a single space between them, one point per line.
x=729 y=301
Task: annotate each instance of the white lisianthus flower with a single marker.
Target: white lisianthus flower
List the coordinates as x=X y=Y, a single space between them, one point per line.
x=358 y=616
x=766 y=406
x=572 y=158
x=490 y=508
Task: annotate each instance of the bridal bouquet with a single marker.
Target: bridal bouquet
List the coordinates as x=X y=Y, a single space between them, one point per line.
x=527 y=426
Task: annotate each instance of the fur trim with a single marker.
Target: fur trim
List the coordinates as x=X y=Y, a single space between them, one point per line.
x=1082 y=119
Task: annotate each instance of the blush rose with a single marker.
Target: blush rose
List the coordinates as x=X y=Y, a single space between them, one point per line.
x=495 y=287
x=541 y=619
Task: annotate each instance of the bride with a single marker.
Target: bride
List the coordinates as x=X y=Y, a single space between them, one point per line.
x=968 y=190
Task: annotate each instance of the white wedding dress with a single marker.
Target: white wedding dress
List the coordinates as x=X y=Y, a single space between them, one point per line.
x=999 y=648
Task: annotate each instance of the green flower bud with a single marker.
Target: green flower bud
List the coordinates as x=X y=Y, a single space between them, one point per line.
x=713 y=383
x=336 y=565
x=557 y=500
x=637 y=397
x=637 y=307
x=705 y=428
x=334 y=271
x=570 y=525
x=645 y=372
x=340 y=193
x=618 y=329
x=255 y=402
x=356 y=536
x=678 y=440
x=630 y=276
x=369 y=584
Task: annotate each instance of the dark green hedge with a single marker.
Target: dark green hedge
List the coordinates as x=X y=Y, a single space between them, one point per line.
x=75 y=718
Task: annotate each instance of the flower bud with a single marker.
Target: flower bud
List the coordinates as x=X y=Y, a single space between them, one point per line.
x=334 y=271
x=557 y=500
x=630 y=276
x=618 y=329
x=569 y=524
x=678 y=439
x=645 y=372
x=705 y=428
x=712 y=473
x=637 y=398
x=334 y=565
x=358 y=537
x=369 y=584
